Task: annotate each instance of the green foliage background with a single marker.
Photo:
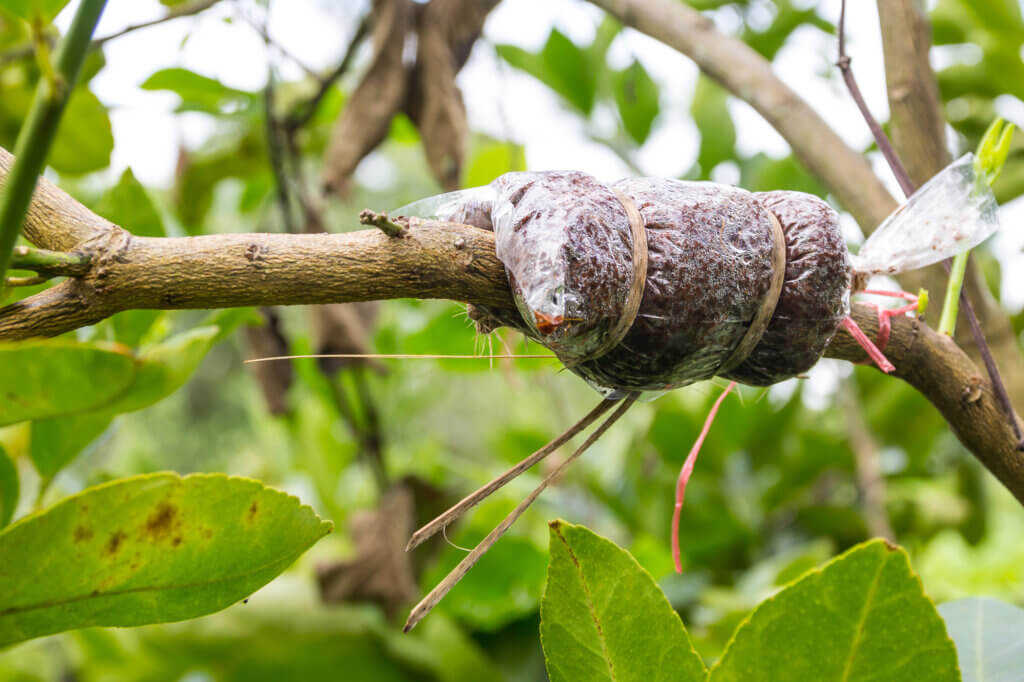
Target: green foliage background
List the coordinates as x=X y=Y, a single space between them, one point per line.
x=775 y=493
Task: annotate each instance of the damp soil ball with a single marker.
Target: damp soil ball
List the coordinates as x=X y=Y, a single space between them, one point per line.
x=565 y=241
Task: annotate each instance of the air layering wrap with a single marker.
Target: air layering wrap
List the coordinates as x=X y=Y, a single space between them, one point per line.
x=748 y=286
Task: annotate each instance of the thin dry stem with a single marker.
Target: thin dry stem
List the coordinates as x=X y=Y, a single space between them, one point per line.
x=457 y=573
x=474 y=498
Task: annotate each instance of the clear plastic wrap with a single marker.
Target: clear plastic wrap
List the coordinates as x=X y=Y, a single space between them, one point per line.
x=952 y=212
x=565 y=241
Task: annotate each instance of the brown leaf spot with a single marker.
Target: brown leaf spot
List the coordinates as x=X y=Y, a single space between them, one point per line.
x=114 y=543
x=177 y=540
x=254 y=509
x=161 y=521
x=82 y=534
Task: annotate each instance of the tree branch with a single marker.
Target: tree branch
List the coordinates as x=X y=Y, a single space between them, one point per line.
x=434 y=260
x=54 y=220
x=919 y=136
x=40 y=127
x=748 y=76
x=916 y=123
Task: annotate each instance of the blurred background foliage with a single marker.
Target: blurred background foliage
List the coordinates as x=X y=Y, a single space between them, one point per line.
x=783 y=478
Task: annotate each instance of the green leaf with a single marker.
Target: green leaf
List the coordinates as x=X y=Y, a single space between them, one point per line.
x=55 y=442
x=85 y=138
x=569 y=75
x=604 y=618
x=199 y=93
x=987 y=636
x=8 y=488
x=863 y=616
x=147 y=549
x=48 y=378
x=164 y=368
x=127 y=204
x=717 y=132
x=993 y=150
x=636 y=95
x=130 y=327
x=492 y=159
x=561 y=65
x=28 y=10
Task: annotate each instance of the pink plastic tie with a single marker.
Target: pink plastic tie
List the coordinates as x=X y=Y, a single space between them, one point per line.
x=684 y=476
x=870 y=348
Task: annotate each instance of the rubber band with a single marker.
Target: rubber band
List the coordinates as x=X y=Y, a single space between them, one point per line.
x=770 y=300
x=636 y=288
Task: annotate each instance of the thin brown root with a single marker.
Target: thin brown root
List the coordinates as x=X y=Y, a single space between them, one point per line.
x=474 y=498
x=450 y=580
x=404 y=356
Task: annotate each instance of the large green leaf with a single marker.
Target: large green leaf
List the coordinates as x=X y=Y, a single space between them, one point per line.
x=988 y=639
x=164 y=368
x=863 y=617
x=8 y=488
x=147 y=549
x=55 y=442
x=85 y=138
x=604 y=618
x=636 y=95
x=49 y=378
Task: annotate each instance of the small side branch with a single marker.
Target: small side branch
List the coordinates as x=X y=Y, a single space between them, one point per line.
x=382 y=222
x=49 y=263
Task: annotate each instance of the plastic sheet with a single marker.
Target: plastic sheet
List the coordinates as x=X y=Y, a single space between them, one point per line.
x=952 y=212
x=565 y=241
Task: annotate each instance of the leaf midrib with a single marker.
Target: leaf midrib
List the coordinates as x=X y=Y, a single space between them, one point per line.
x=590 y=607
x=858 y=633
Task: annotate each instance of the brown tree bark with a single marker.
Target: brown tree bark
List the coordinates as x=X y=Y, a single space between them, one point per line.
x=433 y=260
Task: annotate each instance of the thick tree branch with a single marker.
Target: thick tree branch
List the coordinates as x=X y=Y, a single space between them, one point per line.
x=748 y=75
x=433 y=260
x=934 y=365
x=54 y=220
x=916 y=123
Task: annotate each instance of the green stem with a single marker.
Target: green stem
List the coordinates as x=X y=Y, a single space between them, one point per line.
x=40 y=127
x=49 y=262
x=951 y=306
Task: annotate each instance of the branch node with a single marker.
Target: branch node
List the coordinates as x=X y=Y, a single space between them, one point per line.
x=382 y=222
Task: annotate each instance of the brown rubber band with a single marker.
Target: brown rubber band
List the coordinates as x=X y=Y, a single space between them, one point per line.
x=636 y=287
x=771 y=299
